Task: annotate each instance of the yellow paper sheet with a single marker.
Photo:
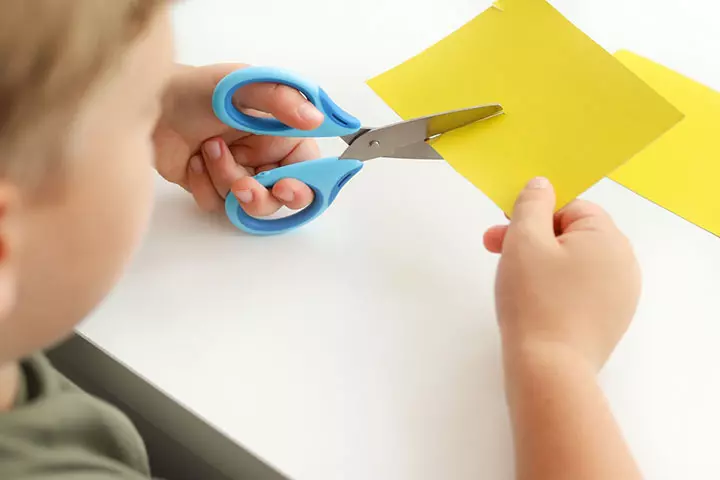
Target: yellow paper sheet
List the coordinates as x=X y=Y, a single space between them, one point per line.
x=680 y=171
x=574 y=113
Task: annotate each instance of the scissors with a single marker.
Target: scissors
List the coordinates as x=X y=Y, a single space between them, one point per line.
x=327 y=176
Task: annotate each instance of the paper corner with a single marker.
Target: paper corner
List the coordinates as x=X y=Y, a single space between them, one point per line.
x=499 y=5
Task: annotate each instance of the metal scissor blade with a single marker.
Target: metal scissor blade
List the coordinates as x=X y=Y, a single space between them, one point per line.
x=349 y=139
x=417 y=151
x=400 y=137
x=421 y=151
x=446 y=122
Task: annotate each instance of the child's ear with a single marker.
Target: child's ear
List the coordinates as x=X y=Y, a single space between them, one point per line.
x=10 y=226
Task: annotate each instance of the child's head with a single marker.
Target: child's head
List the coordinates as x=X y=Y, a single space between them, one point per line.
x=80 y=87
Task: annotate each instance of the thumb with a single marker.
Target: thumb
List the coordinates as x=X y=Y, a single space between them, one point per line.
x=534 y=210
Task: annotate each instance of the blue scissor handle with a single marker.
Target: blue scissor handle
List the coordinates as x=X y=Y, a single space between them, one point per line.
x=337 y=122
x=325 y=176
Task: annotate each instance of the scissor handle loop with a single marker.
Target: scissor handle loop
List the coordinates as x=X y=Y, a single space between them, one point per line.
x=336 y=124
x=325 y=177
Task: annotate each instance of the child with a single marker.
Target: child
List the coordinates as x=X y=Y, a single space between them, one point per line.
x=89 y=96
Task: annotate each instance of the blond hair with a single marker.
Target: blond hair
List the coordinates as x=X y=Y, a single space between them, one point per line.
x=51 y=52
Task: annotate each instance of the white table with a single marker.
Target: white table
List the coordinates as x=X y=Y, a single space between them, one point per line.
x=364 y=346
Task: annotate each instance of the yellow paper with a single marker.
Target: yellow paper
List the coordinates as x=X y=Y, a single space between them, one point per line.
x=573 y=112
x=680 y=171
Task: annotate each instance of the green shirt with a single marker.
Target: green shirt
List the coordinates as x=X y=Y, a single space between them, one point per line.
x=58 y=432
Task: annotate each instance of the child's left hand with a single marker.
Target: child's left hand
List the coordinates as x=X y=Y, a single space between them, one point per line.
x=195 y=150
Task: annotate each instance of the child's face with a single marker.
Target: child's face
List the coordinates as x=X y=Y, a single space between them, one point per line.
x=69 y=247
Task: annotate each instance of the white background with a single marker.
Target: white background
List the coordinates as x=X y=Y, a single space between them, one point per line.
x=364 y=346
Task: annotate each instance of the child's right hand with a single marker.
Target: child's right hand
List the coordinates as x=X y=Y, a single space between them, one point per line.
x=567 y=281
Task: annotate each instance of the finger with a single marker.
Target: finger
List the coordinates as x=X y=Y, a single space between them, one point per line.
x=293 y=193
x=221 y=165
x=265 y=168
x=283 y=102
x=533 y=211
x=304 y=149
x=582 y=215
x=255 y=199
x=260 y=154
x=201 y=186
x=494 y=238
x=259 y=151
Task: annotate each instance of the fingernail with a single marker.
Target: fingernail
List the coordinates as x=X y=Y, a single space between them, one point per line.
x=244 y=196
x=212 y=149
x=286 y=195
x=538 y=183
x=196 y=164
x=307 y=111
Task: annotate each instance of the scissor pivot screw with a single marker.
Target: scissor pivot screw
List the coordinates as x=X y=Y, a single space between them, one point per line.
x=374 y=144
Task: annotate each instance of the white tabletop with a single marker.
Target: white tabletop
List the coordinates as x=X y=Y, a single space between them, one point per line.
x=364 y=346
